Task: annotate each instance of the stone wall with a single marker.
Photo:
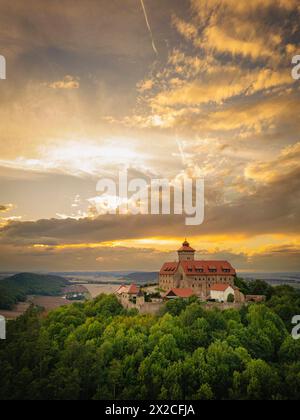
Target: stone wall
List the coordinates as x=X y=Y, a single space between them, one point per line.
x=152 y=308
x=222 y=306
x=255 y=298
x=143 y=307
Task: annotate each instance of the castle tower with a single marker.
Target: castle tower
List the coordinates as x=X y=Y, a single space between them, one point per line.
x=186 y=253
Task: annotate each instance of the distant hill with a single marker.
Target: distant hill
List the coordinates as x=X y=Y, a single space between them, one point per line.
x=15 y=289
x=94 y=274
x=141 y=277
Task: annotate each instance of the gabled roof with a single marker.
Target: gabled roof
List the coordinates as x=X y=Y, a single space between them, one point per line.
x=121 y=289
x=130 y=290
x=220 y=287
x=181 y=293
x=169 y=268
x=133 y=290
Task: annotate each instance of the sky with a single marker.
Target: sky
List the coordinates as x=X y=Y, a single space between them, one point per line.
x=160 y=88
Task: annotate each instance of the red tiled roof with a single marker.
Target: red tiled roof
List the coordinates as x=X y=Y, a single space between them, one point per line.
x=169 y=268
x=220 y=287
x=182 y=293
x=131 y=290
x=221 y=268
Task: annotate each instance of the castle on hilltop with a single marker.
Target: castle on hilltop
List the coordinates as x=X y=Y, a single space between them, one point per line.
x=199 y=276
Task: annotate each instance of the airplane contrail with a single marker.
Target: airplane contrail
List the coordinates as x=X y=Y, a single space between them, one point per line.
x=149 y=27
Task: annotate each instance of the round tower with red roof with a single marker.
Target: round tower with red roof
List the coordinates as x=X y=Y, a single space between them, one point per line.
x=186 y=253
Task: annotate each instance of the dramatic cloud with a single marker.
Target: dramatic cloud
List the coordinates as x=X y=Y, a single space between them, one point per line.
x=271 y=208
x=220 y=84
x=245 y=28
x=87 y=95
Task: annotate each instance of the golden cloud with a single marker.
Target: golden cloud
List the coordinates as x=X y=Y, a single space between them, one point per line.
x=186 y=29
x=4 y=208
x=287 y=162
x=241 y=27
x=145 y=85
x=222 y=40
x=203 y=7
x=221 y=84
x=69 y=82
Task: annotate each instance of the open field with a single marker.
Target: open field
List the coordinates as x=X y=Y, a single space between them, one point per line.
x=17 y=311
x=53 y=302
x=49 y=302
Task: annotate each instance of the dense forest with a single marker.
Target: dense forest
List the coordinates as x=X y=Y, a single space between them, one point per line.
x=97 y=350
x=16 y=288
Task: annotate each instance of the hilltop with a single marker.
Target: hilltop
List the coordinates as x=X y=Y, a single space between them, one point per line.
x=97 y=350
x=16 y=288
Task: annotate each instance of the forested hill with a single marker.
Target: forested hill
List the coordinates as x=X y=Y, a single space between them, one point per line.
x=98 y=350
x=15 y=289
